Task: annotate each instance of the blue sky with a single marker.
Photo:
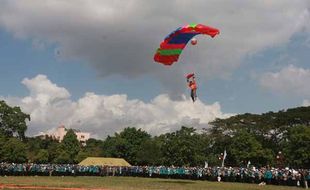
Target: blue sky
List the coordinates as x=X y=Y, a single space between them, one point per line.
x=19 y=59
x=238 y=94
x=91 y=53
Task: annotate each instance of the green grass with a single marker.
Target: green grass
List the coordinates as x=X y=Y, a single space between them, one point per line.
x=136 y=183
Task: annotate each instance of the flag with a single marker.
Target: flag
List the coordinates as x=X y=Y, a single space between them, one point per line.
x=248 y=165
x=206 y=165
x=224 y=157
x=225 y=154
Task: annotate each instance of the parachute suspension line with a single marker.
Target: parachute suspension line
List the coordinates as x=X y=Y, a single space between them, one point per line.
x=172 y=46
x=191 y=64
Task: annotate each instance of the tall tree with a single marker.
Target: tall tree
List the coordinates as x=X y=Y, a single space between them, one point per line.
x=14 y=151
x=93 y=148
x=244 y=147
x=69 y=148
x=297 y=146
x=35 y=145
x=150 y=153
x=41 y=157
x=184 y=148
x=126 y=144
x=3 y=140
x=12 y=121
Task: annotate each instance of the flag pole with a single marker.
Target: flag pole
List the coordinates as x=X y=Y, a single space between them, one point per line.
x=224 y=157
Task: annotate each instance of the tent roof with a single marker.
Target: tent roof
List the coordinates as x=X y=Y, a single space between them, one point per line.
x=102 y=161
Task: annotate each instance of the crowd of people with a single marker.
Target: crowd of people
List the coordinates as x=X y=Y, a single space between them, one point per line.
x=264 y=175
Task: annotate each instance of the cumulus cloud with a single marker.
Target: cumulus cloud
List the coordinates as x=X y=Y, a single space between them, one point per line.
x=119 y=38
x=50 y=105
x=290 y=80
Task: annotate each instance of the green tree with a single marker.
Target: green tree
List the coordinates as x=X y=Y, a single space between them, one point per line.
x=41 y=157
x=54 y=150
x=12 y=121
x=150 y=153
x=3 y=140
x=270 y=129
x=93 y=148
x=35 y=145
x=63 y=157
x=244 y=147
x=184 y=148
x=218 y=141
x=115 y=147
x=14 y=151
x=81 y=156
x=70 y=145
x=126 y=144
x=297 y=146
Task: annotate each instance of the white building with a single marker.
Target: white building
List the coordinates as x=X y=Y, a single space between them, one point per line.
x=61 y=131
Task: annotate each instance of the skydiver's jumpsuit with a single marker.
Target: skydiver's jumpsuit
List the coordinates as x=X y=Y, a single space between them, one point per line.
x=192 y=85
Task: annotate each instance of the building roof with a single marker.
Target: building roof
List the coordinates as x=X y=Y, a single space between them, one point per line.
x=102 y=161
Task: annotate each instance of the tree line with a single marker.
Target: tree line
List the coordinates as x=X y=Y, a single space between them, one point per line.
x=275 y=138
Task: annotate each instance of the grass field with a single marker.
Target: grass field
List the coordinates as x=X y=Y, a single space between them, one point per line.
x=128 y=183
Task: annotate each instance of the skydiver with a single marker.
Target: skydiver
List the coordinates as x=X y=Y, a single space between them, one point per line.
x=193 y=86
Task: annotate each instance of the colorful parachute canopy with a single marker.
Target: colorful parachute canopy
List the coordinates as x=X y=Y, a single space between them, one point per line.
x=172 y=46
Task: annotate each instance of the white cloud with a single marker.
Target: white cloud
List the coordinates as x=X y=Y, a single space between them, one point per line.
x=289 y=81
x=306 y=103
x=40 y=85
x=117 y=37
x=50 y=105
